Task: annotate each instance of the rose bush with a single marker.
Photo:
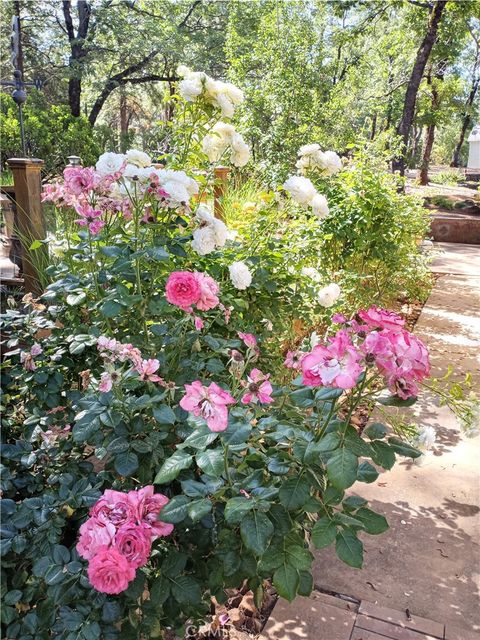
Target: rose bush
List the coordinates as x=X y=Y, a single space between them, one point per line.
x=152 y=455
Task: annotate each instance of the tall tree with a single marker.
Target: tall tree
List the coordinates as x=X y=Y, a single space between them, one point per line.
x=78 y=49
x=436 y=10
x=467 y=112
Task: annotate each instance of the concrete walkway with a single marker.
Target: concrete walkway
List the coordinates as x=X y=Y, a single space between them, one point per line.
x=429 y=561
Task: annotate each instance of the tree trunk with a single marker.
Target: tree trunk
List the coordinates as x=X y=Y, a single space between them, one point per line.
x=466 y=122
x=421 y=60
x=430 y=137
x=16 y=11
x=77 y=51
x=373 y=130
x=427 y=152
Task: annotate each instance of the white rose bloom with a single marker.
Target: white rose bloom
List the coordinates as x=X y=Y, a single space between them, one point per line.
x=183 y=71
x=204 y=214
x=329 y=295
x=213 y=146
x=319 y=205
x=220 y=230
x=169 y=175
x=426 y=437
x=133 y=172
x=312 y=273
x=203 y=240
x=301 y=189
x=141 y=159
x=190 y=88
x=240 y=275
x=314 y=339
x=234 y=94
x=332 y=162
x=109 y=163
x=240 y=151
x=226 y=105
x=308 y=149
x=177 y=192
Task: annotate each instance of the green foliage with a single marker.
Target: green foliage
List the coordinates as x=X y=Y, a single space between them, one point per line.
x=52 y=134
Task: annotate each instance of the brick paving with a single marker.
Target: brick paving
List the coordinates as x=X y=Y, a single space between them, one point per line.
x=326 y=617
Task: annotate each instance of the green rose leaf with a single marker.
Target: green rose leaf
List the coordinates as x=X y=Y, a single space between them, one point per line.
x=256 y=530
x=298 y=557
x=373 y=523
x=342 y=469
x=323 y=532
x=175 y=510
x=294 y=493
x=286 y=581
x=199 y=509
x=211 y=462
x=376 y=431
x=126 y=463
x=366 y=472
x=186 y=590
x=74 y=299
x=172 y=467
x=403 y=449
x=349 y=548
x=164 y=414
x=200 y=438
x=236 y=508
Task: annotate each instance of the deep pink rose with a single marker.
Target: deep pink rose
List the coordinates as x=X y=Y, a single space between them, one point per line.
x=109 y=571
x=259 y=388
x=93 y=535
x=183 y=289
x=134 y=541
x=113 y=507
x=147 y=506
x=377 y=318
x=335 y=365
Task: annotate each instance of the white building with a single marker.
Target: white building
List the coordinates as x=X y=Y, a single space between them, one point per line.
x=474 y=149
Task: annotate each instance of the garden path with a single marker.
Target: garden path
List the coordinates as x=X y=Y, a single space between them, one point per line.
x=428 y=563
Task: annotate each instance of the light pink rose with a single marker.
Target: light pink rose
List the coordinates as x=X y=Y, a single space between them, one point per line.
x=93 y=535
x=198 y=322
x=183 y=289
x=208 y=402
x=249 y=339
x=78 y=180
x=293 y=359
x=109 y=571
x=134 y=541
x=106 y=382
x=208 y=292
x=147 y=368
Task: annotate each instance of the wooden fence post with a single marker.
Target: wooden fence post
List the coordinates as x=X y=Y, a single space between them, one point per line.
x=30 y=218
x=219 y=190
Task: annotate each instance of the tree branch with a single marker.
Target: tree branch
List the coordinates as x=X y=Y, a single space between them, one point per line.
x=66 y=4
x=183 y=23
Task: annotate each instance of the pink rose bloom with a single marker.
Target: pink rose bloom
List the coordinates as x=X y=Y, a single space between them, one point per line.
x=147 y=506
x=106 y=382
x=248 y=338
x=27 y=360
x=407 y=363
x=89 y=217
x=208 y=402
x=36 y=349
x=198 y=322
x=147 y=368
x=258 y=388
x=106 y=344
x=78 y=180
x=208 y=292
x=183 y=289
x=293 y=359
x=93 y=535
x=134 y=542
x=114 y=507
x=335 y=365
x=129 y=352
x=338 y=318
x=109 y=571
x=376 y=318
